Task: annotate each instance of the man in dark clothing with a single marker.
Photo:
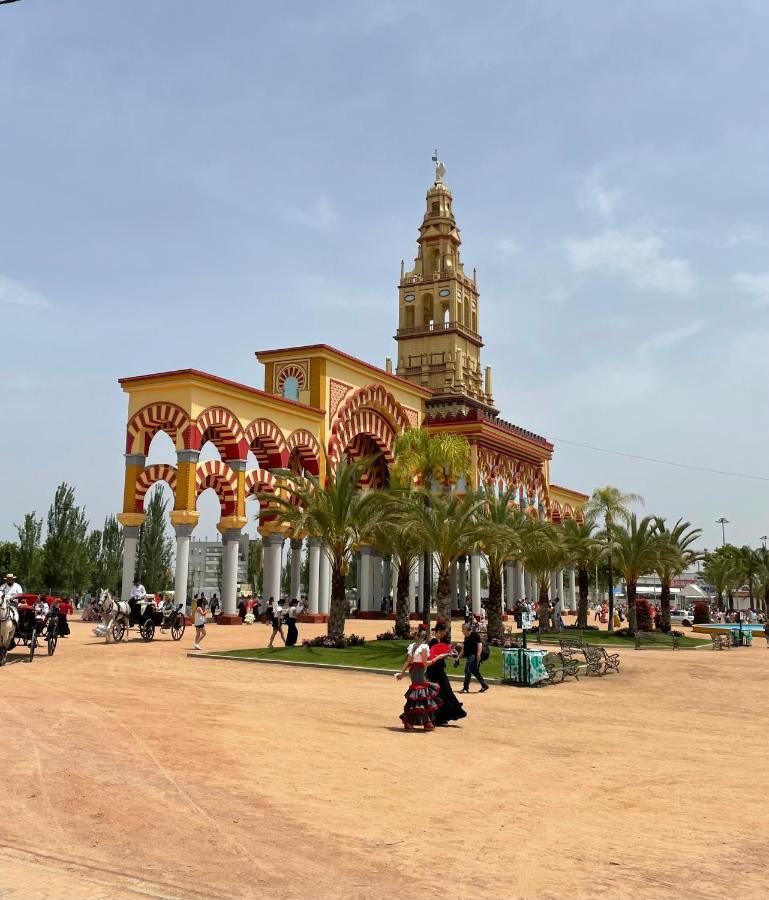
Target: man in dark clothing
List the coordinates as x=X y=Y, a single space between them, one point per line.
x=471 y=650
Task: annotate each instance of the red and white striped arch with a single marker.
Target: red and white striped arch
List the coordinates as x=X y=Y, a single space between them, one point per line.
x=219 y=476
x=306 y=447
x=266 y=442
x=362 y=422
x=149 y=476
x=151 y=419
x=373 y=397
x=219 y=425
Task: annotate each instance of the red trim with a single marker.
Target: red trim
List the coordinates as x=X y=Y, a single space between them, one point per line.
x=207 y=375
x=425 y=392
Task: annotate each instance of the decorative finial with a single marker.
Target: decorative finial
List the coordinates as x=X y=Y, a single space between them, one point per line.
x=440 y=169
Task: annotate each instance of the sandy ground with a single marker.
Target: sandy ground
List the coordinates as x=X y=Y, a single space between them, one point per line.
x=136 y=770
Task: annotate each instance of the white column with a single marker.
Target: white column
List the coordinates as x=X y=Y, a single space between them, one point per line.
x=273 y=558
x=572 y=588
x=531 y=590
x=314 y=573
x=296 y=569
x=324 y=582
x=521 y=582
x=462 y=582
x=475 y=582
x=412 y=588
x=130 y=543
x=231 y=537
x=182 y=567
x=510 y=579
x=376 y=581
x=365 y=579
x=559 y=585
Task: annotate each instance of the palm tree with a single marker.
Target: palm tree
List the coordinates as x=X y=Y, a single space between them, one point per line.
x=583 y=550
x=337 y=512
x=675 y=556
x=748 y=565
x=609 y=506
x=422 y=460
x=543 y=552
x=720 y=571
x=636 y=550
x=446 y=526
x=762 y=577
x=501 y=522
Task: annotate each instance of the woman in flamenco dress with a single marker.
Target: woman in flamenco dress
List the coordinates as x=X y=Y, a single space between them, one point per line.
x=450 y=710
x=421 y=697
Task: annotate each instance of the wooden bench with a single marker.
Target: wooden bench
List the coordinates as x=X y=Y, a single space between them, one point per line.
x=658 y=638
x=720 y=641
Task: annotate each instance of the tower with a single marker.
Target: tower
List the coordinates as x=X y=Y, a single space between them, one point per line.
x=439 y=344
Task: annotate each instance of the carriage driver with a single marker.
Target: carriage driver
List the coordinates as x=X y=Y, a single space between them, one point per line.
x=11 y=589
x=139 y=595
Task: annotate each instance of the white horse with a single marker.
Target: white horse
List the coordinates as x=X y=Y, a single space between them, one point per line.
x=112 y=612
x=9 y=622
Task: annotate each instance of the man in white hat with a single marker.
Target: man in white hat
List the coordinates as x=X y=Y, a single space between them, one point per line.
x=11 y=589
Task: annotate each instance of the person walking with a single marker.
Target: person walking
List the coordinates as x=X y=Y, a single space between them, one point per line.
x=557 y=617
x=472 y=648
x=421 y=697
x=766 y=632
x=450 y=709
x=295 y=608
x=277 y=621
x=202 y=613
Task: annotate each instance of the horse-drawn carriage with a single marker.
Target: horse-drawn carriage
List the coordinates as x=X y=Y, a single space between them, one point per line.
x=120 y=616
x=32 y=627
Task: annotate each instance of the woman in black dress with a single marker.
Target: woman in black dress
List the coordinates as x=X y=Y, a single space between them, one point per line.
x=450 y=710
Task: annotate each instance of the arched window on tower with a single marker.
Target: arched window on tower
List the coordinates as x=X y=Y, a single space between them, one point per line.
x=291 y=388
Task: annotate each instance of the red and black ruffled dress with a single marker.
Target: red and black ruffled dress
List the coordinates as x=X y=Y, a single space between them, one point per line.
x=421 y=698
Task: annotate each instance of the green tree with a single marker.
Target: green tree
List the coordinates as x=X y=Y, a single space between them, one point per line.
x=720 y=571
x=543 y=552
x=255 y=565
x=748 y=564
x=29 y=555
x=9 y=552
x=609 y=506
x=65 y=551
x=501 y=522
x=676 y=554
x=108 y=570
x=157 y=546
x=636 y=552
x=337 y=512
x=583 y=550
x=762 y=578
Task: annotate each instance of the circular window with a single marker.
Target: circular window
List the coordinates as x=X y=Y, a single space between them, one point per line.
x=444 y=293
x=409 y=298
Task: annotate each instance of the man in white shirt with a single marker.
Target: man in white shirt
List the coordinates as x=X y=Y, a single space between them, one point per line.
x=139 y=595
x=11 y=589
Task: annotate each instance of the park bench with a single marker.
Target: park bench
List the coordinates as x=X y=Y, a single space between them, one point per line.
x=570 y=646
x=658 y=639
x=610 y=660
x=559 y=666
x=720 y=641
x=594 y=659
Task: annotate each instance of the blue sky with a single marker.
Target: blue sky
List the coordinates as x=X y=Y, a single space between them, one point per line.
x=186 y=182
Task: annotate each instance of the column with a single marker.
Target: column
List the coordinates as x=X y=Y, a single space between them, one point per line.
x=462 y=582
x=387 y=568
x=559 y=585
x=273 y=558
x=231 y=538
x=530 y=592
x=453 y=580
x=475 y=582
x=510 y=581
x=324 y=581
x=412 y=589
x=520 y=582
x=365 y=579
x=130 y=543
x=296 y=569
x=553 y=585
x=313 y=545
x=572 y=588
x=376 y=581
x=183 y=533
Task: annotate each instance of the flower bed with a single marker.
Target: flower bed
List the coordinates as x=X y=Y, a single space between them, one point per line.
x=348 y=640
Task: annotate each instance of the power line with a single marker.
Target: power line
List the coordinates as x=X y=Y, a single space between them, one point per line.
x=663 y=462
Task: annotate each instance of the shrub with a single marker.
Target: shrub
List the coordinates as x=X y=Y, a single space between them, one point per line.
x=643 y=616
x=348 y=640
x=586 y=628
x=387 y=636
x=701 y=612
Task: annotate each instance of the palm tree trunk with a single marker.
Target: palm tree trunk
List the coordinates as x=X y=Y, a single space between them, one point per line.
x=443 y=600
x=583 y=581
x=402 y=602
x=631 y=614
x=543 y=608
x=730 y=597
x=495 y=626
x=665 y=607
x=766 y=600
x=338 y=608
x=720 y=601
x=427 y=588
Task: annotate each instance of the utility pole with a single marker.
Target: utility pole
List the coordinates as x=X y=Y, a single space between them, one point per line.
x=722 y=522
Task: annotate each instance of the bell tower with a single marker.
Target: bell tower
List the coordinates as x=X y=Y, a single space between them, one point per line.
x=439 y=344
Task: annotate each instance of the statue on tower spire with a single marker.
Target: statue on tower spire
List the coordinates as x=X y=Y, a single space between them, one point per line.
x=440 y=169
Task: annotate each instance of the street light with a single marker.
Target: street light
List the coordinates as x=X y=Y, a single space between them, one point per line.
x=722 y=522
x=763 y=540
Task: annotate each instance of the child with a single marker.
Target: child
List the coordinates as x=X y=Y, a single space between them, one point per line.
x=201 y=614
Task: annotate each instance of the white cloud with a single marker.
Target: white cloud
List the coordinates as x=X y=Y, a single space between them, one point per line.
x=508 y=246
x=13 y=293
x=594 y=197
x=642 y=259
x=746 y=235
x=756 y=286
x=666 y=339
x=321 y=214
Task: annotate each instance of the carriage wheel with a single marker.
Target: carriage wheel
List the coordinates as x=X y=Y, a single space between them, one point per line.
x=177 y=628
x=118 y=631
x=147 y=630
x=32 y=644
x=53 y=640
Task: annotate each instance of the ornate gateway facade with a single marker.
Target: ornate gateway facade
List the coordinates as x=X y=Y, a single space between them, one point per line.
x=316 y=397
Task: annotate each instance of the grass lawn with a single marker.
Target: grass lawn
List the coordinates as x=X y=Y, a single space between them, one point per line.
x=608 y=639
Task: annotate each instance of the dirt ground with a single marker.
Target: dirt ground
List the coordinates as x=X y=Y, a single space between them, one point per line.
x=137 y=770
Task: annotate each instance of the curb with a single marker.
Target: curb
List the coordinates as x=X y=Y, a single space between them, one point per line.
x=312 y=665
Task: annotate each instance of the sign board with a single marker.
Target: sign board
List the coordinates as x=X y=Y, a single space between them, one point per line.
x=527 y=621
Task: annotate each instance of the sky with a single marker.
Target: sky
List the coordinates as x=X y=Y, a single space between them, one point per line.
x=183 y=183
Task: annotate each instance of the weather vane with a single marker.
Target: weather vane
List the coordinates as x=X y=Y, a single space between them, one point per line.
x=440 y=169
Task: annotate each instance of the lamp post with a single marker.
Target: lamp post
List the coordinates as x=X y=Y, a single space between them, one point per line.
x=763 y=540
x=722 y=522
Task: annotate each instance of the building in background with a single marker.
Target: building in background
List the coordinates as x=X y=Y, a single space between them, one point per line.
x=207 y=567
